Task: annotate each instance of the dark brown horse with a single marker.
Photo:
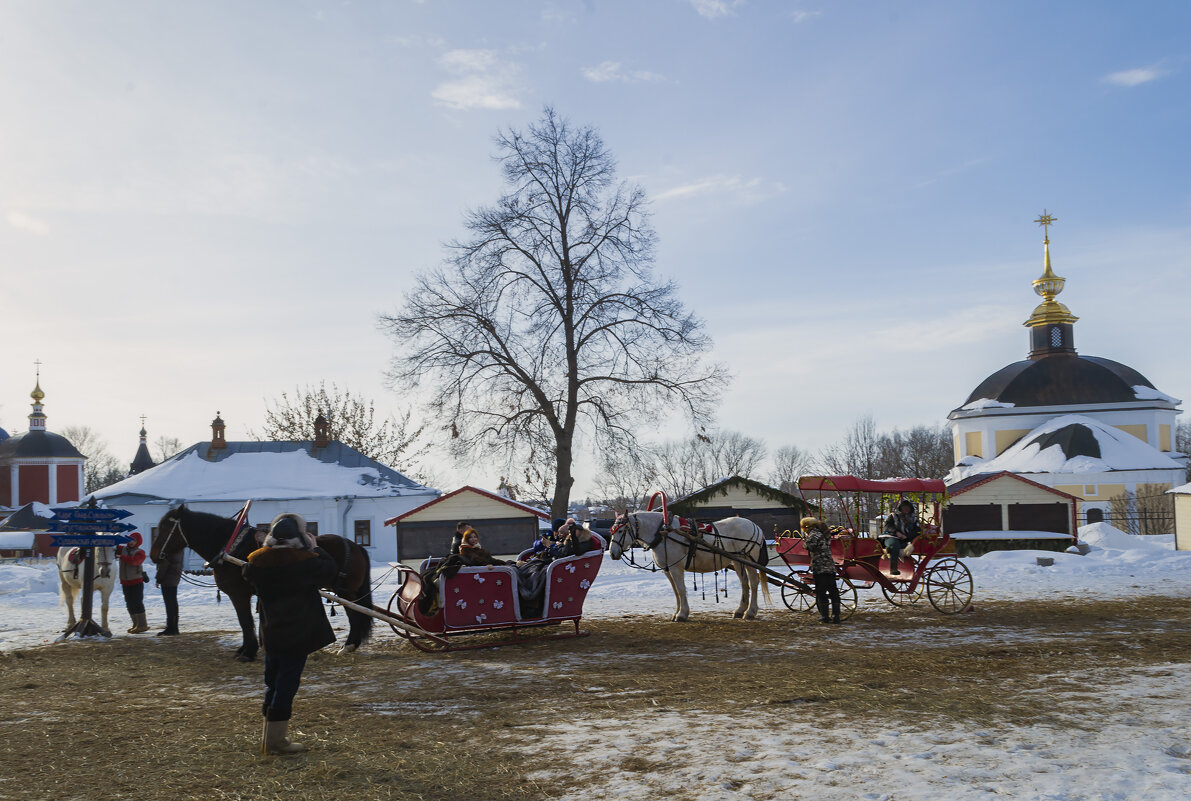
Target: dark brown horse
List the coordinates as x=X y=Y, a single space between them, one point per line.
x=207 y=535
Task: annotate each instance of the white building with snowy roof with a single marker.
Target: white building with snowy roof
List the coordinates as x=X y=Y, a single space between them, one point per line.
x=1088 y=426
x=337 y=489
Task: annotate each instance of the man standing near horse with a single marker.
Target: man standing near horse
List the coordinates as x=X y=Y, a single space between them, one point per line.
x=169 y=576
x=286 y=574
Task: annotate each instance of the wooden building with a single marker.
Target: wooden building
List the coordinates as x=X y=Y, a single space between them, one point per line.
x=505 y=526
x=1005 y=511
x=1182 y=517
x=770 y=508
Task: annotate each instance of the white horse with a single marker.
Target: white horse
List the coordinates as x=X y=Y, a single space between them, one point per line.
x=70 y=581
x=671 y=552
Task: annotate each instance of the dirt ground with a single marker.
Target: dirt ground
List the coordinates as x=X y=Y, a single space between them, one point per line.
x=175 y=718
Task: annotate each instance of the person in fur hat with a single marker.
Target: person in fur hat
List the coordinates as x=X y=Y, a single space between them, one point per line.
x=132 y=581
x=472 y=554
x=286 y=574
x=817 y=540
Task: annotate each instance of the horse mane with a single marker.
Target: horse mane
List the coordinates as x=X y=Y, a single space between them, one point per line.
x=206 y=533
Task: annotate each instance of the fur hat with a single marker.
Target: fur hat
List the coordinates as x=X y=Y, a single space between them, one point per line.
x=135 y=539
x=288 y=530
x=809 y=523
x=557 y=523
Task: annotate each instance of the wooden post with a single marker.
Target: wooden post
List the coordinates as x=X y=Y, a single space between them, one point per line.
x=86 y=627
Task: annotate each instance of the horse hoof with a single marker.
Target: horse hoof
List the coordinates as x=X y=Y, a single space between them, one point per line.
x=347 y=649
x=738 y=614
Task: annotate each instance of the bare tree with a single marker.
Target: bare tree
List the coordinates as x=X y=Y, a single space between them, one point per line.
x=547 y=322
x=101 y=468
x=789 y=464
x=352 y=420
x=860 y=452
x=684 y=466
x=626 y=478
x=164 y=447
x=1182 y=442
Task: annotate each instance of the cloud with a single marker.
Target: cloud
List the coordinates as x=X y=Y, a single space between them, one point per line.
x=800 y=16
x=1134 y=77
x=740 y=190
x=484 y=80
x=22 y=221
x=614 y=71
x=711 y=9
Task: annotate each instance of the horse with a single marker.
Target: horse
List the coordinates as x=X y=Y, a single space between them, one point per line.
x=672 y=552
x=70 y=580
x=208 y=534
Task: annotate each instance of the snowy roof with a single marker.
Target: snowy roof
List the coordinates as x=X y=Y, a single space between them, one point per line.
x=1072 y=443
x=265 y=470
x=496 y=496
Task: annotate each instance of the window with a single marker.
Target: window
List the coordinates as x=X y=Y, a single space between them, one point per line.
x=312 y=528
x=1090 y=490
x=364 y=533
x=1056 y=336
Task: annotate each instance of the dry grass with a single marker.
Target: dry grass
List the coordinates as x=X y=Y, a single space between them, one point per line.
x=155 y=719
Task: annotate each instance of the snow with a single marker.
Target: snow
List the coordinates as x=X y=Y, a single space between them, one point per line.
x=257 y=476
x=1143 y=750
x=1118 y=451
x=985 y=403
x=1009 y=535
x=1142 y=392
x=17 y=540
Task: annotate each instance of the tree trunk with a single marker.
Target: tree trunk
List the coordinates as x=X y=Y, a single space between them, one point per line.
x=563 y=481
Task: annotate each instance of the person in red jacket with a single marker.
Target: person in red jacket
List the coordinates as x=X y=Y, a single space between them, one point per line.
x=132 y=581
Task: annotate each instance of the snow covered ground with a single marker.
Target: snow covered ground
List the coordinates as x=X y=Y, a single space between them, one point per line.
x=1141 y=751
x=1118 y=565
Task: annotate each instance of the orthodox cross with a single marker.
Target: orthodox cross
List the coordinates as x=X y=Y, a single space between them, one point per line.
x=1045 y=221
x=37 y=362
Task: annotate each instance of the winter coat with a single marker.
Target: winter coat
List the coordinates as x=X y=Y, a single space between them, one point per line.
x=169 y=570
x=818 y=544
x=131 y=571
x=902 y=528
x=286 y=581
x=474 y=556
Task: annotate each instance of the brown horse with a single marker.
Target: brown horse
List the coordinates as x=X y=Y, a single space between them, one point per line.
x=207 y=535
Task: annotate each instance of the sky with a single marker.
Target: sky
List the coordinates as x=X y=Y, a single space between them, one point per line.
x=204 y=205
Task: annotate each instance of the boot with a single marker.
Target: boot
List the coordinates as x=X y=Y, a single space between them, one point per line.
x=275 y=741
x=168 y=631
x=894 y=558
x=834 y=610
x=140 y=623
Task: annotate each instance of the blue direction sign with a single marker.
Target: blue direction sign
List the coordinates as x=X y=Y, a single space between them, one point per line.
x=90 y=527
x=80 y=513
x=87 y=540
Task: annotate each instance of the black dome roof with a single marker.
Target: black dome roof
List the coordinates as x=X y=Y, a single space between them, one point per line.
x=38 y=445
x=1061 y=380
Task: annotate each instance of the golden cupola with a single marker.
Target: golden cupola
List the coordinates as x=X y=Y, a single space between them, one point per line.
x=1051 y=323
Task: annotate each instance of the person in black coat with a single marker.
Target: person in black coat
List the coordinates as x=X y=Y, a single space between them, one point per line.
x=286 y=574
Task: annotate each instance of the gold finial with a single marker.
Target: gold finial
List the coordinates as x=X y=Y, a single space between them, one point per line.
x=37 y=395
x=1048 y=285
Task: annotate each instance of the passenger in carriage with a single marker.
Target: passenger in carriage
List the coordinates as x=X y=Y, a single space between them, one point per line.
x=901 y=528
x=472 y=554
x=568 y=539
x=816 y=538
x=461 y=528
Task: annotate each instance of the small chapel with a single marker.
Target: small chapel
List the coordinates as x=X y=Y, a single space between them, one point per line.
x=1084 y=425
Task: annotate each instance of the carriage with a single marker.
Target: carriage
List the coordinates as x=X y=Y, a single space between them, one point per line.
x=484 y=599
x=855 y=509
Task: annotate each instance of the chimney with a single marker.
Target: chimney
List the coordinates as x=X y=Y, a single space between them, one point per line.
x=321 y=435
x=218 y=443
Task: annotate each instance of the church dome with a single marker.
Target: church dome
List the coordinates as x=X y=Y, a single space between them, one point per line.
x=38 y=445
x=1062 y=380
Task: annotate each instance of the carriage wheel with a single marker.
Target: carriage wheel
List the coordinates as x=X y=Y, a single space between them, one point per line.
x=949 y=586
x=905 y=598
x=797 y=600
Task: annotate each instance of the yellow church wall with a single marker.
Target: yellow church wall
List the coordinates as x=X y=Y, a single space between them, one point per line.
x=958 y=455
x=1138 y=430
x=1164 y=442
x=1005 y=439
x=1100 y=492
x=972 y=444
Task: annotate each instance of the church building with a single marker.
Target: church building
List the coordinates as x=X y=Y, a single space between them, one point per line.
x=1085 y=425
x=39 y=465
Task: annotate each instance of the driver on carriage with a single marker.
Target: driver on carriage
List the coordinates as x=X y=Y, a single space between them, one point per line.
x=901 y=528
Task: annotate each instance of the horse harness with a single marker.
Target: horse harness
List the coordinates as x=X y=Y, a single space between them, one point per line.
x=75 y=557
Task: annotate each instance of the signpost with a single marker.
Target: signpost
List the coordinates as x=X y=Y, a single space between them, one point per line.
x=88 y=527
